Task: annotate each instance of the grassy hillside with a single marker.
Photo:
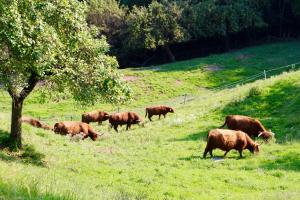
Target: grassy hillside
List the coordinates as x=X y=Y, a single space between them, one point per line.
x=164 y=159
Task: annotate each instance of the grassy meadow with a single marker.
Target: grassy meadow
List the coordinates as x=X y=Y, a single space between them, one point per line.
x=163 y=160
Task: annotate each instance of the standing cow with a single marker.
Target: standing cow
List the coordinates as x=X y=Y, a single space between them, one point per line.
x=227 y=140
x=74 y=128
x=127 y=118
x=251 y=126
x=95 y=116
x=158 y=110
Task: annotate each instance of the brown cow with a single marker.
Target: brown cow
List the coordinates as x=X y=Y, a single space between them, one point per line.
x=251 y=126
x=35 y=123
x=75 y=128
x=227 y=140
x=127 y=118
x=94 y=116
x=158 y=110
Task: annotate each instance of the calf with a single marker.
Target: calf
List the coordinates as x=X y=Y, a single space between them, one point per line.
x=35 y=123
x=74 y=128
x=251 y=126
x=158 y=110
x=227 y=140
x=94 y=116
x=127 y=118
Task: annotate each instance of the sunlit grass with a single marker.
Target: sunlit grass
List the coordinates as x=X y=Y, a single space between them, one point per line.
x=164 y=159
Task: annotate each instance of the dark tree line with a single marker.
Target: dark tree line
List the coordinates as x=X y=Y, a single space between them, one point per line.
x=138 y=29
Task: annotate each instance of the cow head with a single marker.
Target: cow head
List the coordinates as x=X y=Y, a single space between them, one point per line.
x=57 y=128
x=140 y=122
x=266 y=135
x=254 y=148
x=106 y=116
x=171 y=110
x=84 y=118
x=93 y=136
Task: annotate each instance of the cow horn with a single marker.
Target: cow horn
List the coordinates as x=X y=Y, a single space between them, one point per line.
x=260 y=134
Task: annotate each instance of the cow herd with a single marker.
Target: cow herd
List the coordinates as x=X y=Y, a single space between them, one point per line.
x=238 y=135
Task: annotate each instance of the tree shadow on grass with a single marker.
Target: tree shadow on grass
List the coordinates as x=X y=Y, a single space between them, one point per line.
x=13 y=191
x=201 y=135
x=277 y=107
x=27 y=155
x=287 y=162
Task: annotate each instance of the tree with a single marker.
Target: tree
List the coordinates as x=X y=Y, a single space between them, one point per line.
x=109 y=17
x=156 y=26
x=220 y=18
x=50 y=41
x=296 y=7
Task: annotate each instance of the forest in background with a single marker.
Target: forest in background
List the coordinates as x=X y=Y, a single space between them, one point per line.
x=151 y=32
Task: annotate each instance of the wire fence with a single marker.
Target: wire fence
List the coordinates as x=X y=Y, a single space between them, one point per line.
x=184 y=99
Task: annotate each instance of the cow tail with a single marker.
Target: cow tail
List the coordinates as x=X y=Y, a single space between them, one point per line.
x=224 y=123
x=146 y=113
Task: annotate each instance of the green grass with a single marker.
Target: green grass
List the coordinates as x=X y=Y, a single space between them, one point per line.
x=164 y=159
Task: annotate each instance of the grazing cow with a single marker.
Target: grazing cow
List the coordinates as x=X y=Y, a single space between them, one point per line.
x=251 y=126
x=35 y=123
x=74 y=128
x=227 y=140
x=158 y=110
x=127 y=118
x=94 y=116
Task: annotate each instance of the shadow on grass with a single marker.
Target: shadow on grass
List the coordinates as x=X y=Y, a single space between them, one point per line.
x=12 y=191
x=277 y=107
x=192 y=137
x=287 y=162
x=27 y=155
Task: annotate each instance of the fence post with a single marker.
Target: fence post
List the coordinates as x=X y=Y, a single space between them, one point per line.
x=118 y=109
x=184 y=100
x=265 y=74
x=71 y=118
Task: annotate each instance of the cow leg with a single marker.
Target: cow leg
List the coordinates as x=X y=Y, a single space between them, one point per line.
x=241 y=153
x=116 y=128
x=127 y=127
x=99 y=123
x=205 y=152
x=226 y=153
x=149 y=116
x=210 y=152
x=159 y=116
x=164 y=115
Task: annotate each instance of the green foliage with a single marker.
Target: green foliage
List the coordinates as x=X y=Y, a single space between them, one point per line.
x=132 y=3
x=218 y=18
x=51 y=41
x=109 y=17
x=154 y=26
x=255 y=91
x=296 y=7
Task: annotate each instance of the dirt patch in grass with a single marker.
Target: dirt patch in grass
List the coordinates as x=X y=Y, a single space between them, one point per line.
x=130 y=78
x=108 y=150
x=213 y=68
x=178 y=82
x=244 y=56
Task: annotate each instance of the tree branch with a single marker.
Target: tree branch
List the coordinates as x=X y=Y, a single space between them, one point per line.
x=32 y=81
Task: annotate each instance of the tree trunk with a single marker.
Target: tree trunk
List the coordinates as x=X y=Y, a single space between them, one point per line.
x=169 y=53
x=16 y=122
x=16 y=110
